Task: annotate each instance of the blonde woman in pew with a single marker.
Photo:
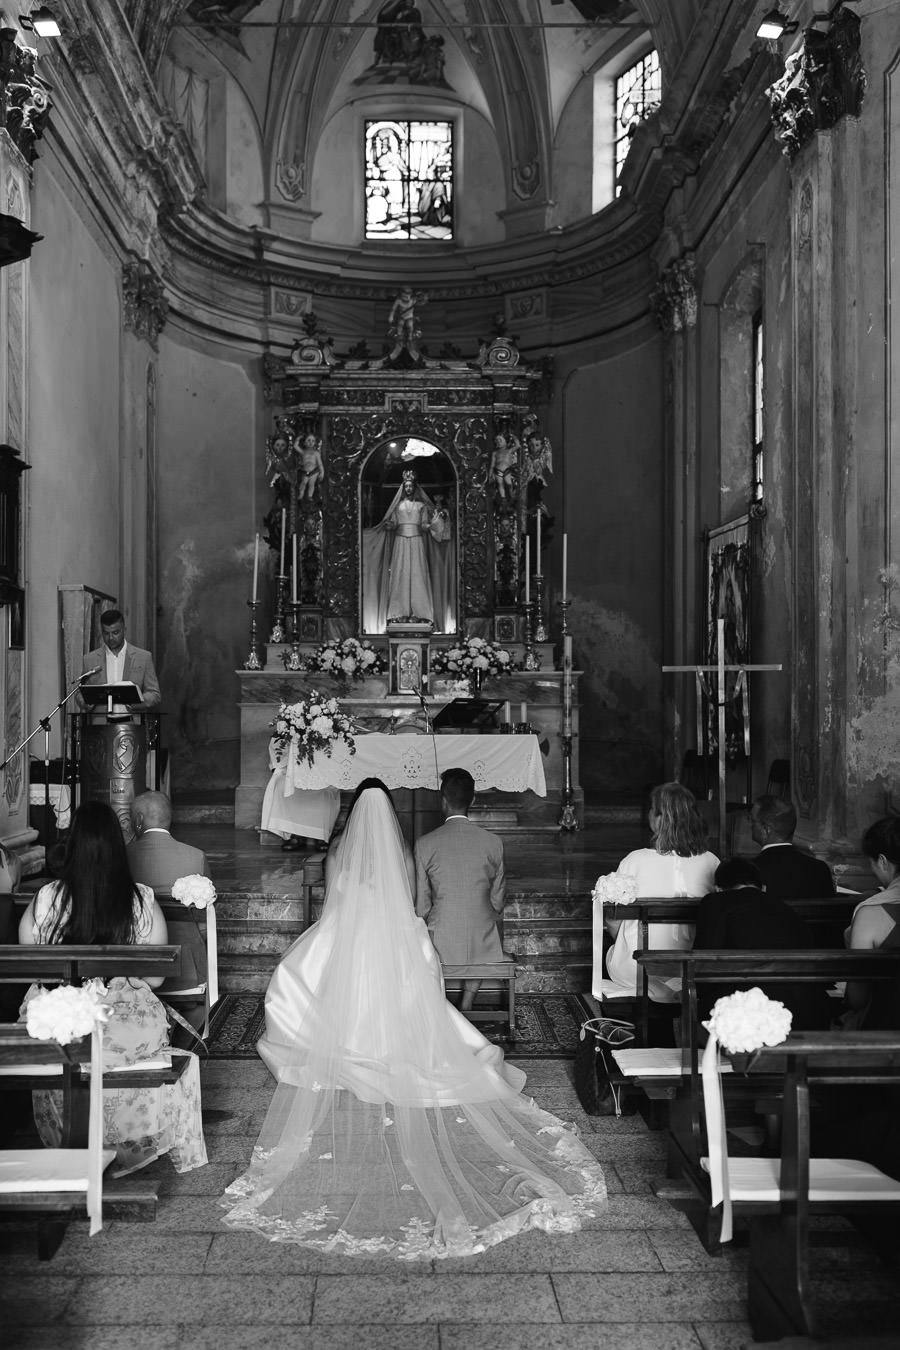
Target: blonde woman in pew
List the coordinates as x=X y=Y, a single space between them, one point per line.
x=97 y=902
x=677 y=863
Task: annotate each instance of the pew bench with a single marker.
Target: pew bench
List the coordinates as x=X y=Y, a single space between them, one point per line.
x=779 y=1197
x=494 y=976
x=686 y=1138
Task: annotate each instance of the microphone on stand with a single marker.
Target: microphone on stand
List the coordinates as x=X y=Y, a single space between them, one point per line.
x=87 y=674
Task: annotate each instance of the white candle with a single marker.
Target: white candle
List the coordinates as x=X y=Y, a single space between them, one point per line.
x=283 y=528
x=507 y=714
x=294 y=569
x=565 y=576
x=523 y=712
x=567 y=653
x=255 y=569
x=538 y=559
x=527 y=570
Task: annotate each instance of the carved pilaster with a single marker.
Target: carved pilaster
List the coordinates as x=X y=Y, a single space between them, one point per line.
x=822 y=82
x=24 y=96
x=144 y=303
x=674 y=298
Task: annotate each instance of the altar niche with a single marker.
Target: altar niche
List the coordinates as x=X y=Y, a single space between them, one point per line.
x=408 y=513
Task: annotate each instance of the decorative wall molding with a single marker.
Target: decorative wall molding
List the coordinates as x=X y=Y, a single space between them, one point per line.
x=144 y=305
x=674 y=298
x=24 y=97
x=822 y=82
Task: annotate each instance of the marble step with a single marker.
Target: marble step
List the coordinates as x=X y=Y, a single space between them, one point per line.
x=232 y=908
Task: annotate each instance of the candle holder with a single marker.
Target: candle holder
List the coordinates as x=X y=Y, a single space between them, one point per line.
x=279 y=633
x=532 y=660
x=253 y=662
x=564 y=606
x=294 y=660
x=568 y=820
x=540 y=632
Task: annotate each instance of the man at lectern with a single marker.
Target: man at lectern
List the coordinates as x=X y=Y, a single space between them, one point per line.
x=117 y=662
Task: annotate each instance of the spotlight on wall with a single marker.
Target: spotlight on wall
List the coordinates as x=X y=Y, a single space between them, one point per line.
x=774 y=25
x=40 y=21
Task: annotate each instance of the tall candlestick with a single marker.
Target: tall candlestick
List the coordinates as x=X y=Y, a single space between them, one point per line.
x=523 y=712
x=565 y=575
x=255 y=569
x=527 y=570
x=538 y=559
x=294 y=569
x=283 y=528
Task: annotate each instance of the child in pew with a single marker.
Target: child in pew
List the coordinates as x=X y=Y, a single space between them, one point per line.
x=97 y=902
x=740 y=916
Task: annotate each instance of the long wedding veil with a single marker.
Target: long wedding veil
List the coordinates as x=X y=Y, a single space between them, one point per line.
x=395 y=1127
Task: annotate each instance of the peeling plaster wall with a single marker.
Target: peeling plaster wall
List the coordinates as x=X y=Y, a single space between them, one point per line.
x=212 y=494
x=613 y=484
x=74 y=482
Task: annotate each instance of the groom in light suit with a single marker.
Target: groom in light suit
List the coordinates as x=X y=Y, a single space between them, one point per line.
x=460 y=883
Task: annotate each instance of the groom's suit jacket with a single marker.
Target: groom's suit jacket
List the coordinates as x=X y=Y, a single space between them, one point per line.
x=460 y=890
x=138 y=668
x=158 y=860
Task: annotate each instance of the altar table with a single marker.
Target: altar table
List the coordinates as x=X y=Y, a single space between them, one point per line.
x=506 y=763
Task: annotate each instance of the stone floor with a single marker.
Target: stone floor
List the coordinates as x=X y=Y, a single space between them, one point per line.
x=636 y=1277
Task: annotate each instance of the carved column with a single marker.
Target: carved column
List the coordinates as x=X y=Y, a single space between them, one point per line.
x=144 y=311
x=815 y=108
x=675 y=303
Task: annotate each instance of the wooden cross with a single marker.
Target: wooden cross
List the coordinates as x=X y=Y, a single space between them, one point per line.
x=721 y=670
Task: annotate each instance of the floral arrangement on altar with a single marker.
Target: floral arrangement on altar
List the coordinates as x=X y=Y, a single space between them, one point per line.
x=67 y=1012
x=347 y=659
x=473 y=656
x=748 y=1019
x=615 y=889
x=194 y=890
x=314 y=723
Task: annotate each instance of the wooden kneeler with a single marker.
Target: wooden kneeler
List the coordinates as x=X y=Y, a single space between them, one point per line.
x=494 y=976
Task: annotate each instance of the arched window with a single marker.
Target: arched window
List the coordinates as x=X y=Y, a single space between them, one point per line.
x=638 y=94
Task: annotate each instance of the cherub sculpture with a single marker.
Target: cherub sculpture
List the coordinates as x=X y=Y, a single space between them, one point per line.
x=402 y=318
x=312 y=466
x=504 y=465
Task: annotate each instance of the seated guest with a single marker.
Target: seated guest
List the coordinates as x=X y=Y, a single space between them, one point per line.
x=786 y=870
x=158 y=860
x=304 y=814
x=740 y=916
x=876 y=923
x=679 y=863
x=97 y=901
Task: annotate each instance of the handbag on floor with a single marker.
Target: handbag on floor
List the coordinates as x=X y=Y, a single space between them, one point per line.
x=594 y=1065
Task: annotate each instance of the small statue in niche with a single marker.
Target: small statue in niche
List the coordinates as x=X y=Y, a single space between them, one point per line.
x=278 y=457
x=538 y=457
x=312 y=466
x=402 y=319
x=504 y=465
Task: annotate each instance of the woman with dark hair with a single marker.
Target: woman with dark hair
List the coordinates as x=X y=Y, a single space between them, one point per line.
x=678 y=863
x=96 y=901
x=876 y=923
x=331 y=856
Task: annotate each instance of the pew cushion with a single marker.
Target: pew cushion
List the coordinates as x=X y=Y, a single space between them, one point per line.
x=25 y=1170
x=831 y=1180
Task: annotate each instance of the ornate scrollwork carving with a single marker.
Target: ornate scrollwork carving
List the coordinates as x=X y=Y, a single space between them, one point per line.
x=24 y=97
x=290 y=179
x=822 y=82
x=674 y=298
x=144 y=303
x=314 y=349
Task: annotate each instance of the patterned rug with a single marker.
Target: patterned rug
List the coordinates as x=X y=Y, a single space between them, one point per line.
x=547 y=1026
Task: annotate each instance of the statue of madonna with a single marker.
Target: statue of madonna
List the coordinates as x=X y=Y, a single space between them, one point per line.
x=407 y=563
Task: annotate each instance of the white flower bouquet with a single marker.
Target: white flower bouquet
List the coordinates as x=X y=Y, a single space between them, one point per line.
x=194 y=890
x=347 y=659
x=67 y=1012
x=748 y=1019
x=314 y=723
x=473 y=656
x=615 y=889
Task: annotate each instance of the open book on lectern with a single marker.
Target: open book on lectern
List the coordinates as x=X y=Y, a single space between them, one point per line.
x=478 y=713
x=125 y=692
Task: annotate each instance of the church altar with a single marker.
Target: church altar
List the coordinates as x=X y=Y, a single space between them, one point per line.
x=508 y=763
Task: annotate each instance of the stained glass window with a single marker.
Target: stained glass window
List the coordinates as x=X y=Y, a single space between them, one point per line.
x=638 y=94
x=758 y=407
x=409 y=180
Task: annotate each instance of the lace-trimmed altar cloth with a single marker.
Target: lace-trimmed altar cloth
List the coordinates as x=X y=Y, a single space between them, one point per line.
x=507 y=763
x=396 y=1128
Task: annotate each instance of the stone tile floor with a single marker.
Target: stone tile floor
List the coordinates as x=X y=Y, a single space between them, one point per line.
x=637 y=1277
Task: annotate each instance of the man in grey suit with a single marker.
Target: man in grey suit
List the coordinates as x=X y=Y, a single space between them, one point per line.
x=117 y=661
x=158 y=860
x=460 y=883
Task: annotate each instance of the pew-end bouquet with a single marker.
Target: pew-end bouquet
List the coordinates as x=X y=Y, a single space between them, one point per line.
x=66 y=1013
x=194 y=890
x=747 y=1020
x=615 y=888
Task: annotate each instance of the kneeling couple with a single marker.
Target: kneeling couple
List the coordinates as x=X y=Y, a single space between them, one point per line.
x=395 y=1126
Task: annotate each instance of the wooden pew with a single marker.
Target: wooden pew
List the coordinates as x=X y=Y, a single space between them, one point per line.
x=778 y=1201
x=686 y=1132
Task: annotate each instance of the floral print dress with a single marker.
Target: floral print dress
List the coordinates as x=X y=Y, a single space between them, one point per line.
x=141 y=1124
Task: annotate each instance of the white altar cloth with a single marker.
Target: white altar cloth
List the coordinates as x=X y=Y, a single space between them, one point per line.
x=508 y=763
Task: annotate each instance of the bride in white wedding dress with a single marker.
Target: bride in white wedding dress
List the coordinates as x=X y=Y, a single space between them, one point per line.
x=395 y=1127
